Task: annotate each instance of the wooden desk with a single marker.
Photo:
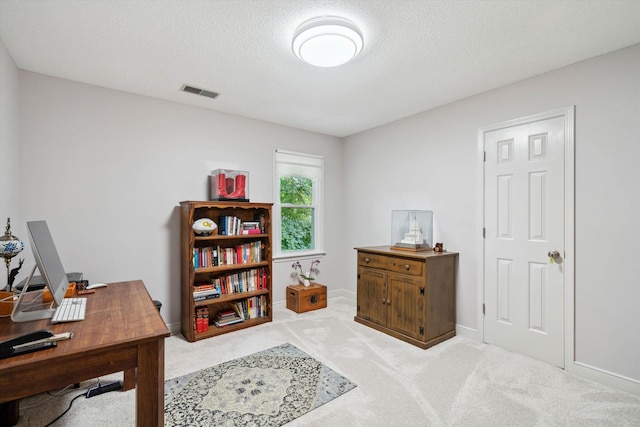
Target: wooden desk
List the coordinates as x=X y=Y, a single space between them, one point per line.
x=122 y=331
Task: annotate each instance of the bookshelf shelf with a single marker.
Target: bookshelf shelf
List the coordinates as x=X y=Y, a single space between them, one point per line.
x=215 y=331
x=214 y=262
x=230 y=267
x=239 y=237
x=231 y=297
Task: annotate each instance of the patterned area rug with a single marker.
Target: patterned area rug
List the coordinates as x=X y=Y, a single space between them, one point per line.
x=269 y=388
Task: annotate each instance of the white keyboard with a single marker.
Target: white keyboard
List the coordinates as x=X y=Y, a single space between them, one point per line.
x=71 y=310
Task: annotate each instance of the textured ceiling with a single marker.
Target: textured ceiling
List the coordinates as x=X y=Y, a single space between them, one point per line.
x=417 y=54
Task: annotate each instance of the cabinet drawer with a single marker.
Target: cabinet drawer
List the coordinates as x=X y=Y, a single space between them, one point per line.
x=398 y=265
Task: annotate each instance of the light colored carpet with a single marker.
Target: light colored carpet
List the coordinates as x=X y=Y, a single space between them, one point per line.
x=457 y=383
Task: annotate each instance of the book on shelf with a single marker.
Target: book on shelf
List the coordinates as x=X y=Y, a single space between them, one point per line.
x=229 y=225
x=205 y=291
x=239 y=307
x=225 y=314
x=239 y=311
x=203 y=286
x=227 y=317
x=252 y=307
x=202 y=319
x=206 y=297
x=234 y=226
x=243 y=281
x=251 y=227
x=258 y=306
x=246 y=253
x=252 y=231
x=205 y=257
x=222 y=225
x=222 y=324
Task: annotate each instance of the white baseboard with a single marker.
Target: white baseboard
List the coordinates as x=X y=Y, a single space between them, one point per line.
x=341 y=293
x=605 y=377
x=465 y=331
x=175 y=328
x=598 y=375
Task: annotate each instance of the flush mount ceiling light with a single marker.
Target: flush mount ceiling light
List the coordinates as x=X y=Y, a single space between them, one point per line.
x=327 y=41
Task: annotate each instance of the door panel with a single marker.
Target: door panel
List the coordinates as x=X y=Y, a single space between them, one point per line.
x=372 y=295
x=406 y=305
x=524 y=220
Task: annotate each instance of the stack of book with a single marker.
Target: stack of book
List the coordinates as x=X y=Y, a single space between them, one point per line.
x=227 y=317
x=205 y=291
x=251 y=227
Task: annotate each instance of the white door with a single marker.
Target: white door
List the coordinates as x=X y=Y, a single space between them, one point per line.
x=524 y=220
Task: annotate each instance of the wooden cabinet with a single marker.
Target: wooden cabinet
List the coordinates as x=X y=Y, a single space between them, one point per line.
x=246 y=279
x=408 y=295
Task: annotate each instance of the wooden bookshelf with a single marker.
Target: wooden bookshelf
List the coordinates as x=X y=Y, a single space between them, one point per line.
x=242 y=279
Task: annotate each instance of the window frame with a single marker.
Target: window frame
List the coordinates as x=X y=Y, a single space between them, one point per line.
x=304 y=160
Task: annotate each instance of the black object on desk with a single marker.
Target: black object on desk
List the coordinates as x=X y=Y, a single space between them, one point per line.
x=37 y=282
x=21 y=345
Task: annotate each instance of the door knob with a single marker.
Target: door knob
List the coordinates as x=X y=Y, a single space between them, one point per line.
x=554 y=256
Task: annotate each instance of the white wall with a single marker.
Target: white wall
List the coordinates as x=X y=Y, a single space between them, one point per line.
x=108 y=169
x=8 y=153
x=430 y=161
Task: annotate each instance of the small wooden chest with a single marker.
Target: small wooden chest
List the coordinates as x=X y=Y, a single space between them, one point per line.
x=302 y=298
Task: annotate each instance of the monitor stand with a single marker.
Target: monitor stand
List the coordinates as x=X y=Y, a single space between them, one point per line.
x=30 y=306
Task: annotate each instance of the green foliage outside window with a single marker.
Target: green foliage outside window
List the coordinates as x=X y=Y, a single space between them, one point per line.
x=297 y=221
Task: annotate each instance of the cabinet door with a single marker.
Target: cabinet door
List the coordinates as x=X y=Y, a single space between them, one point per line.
x=372 y=295
x=406 y=305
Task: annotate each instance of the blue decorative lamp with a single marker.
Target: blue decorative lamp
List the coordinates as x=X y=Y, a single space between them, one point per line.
x=10 y=246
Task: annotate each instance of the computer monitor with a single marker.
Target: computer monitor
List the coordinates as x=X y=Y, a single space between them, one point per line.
x=30 y=305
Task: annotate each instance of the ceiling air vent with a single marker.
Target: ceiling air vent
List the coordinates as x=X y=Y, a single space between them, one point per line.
x=197 y=91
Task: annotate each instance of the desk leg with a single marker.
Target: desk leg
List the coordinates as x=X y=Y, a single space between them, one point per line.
x=9 y=412
x=129 y=380
x=150 y=389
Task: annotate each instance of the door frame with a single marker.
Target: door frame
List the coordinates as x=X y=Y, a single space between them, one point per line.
x=568 y=113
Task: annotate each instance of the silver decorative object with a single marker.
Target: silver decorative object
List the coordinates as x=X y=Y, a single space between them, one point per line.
x=10 y=246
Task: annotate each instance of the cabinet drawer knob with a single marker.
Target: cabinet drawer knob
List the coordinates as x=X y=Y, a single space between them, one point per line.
x=406 y=266
x=367 y=260
x=388 y=301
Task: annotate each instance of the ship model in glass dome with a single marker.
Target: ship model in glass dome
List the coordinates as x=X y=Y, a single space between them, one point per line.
x=411 y=230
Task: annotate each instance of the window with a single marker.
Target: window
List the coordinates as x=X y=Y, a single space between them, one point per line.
x=298 y=204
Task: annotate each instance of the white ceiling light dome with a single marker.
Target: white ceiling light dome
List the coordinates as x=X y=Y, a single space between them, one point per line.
x=327 y=41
